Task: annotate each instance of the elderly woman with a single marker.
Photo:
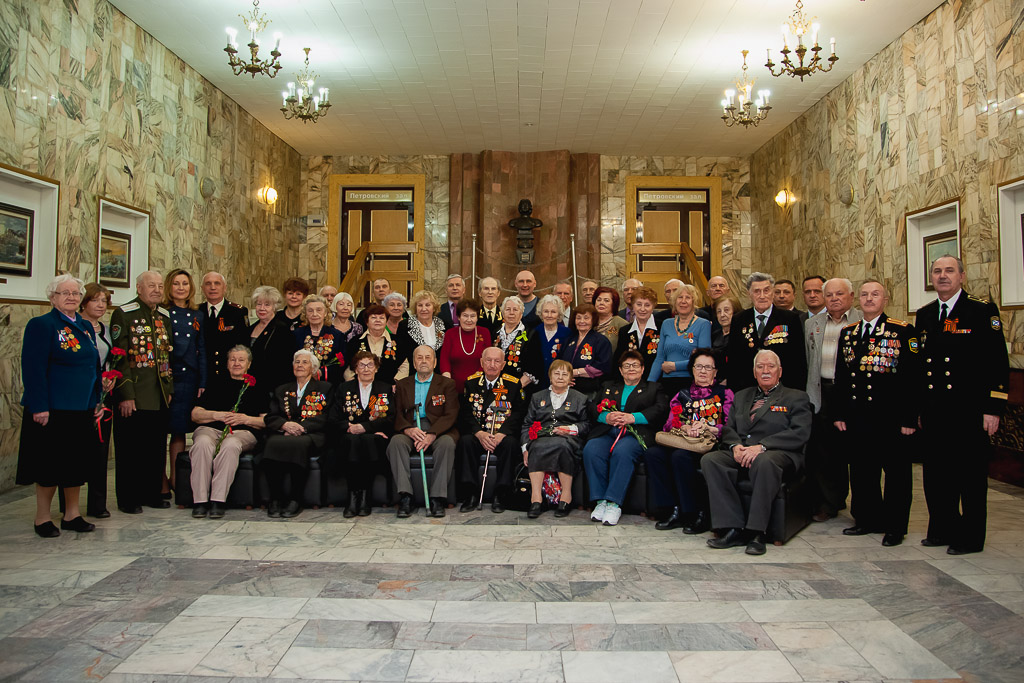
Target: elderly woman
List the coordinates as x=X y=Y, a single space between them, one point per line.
x=556 y=424
x=297 y=424
x=317 y=335
x=295 y=292
x=725 y=309
x=513 y=338
x=547 y=341
x=342 y=308
x=628 y=410
x=271 y=342
x=588 y=351
x=188 y=361
x=464 y=344
x=391 y=351
x=394 y=303
x=642 y=335
x=606 y=301
x=676 y=483
x=424 y=328
x=680 y=335
x=228 y=414
x=363 y=417
x=60 y=371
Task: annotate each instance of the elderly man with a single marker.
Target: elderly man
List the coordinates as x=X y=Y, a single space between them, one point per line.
x=488 y=290
x=964 y=393
x=490 y=419
x=563 y=290
x=663 y=314
x=763 y=439
x=629 y=286
x=434 y=397
x=587 y=290
x=873 y=406
x=764 y=326
x=380 y=288
x=814 y=294
x=717 y=288
x=525 y=284
x=454 y=288
x=827 y=463
x=142 y=329
x=224 y=327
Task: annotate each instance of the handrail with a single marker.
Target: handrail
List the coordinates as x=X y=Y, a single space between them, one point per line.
x=359 y=272
x=694 y=274
x=697 y=277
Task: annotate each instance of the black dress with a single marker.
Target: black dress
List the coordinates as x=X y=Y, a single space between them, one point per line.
x=362 y=454
x=556 y=453
x=272 y=353
x=310 y=412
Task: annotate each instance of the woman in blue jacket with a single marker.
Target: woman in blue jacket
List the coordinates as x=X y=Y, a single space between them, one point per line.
x=60 y=371
x=680 y=335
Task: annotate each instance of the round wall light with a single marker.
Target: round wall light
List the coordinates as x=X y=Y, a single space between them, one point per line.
x=784 y=198
x=267 y=195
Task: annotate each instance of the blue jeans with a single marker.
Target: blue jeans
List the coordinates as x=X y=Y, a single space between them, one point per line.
x=609 y=472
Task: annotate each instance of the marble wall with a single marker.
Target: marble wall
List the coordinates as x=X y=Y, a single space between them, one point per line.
x=90 y=99
x=934 y=116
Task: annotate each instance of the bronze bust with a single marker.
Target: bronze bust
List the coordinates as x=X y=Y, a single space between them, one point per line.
x=524 y=226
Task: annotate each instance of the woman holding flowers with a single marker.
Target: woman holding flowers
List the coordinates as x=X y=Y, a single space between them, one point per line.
x=318 y=336
x=60 y=371
x=629 y=412
x=552 y=438
x=228 y=414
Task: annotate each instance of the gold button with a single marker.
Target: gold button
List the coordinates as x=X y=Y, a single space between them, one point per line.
x=927 y=360
x=947 y=373
x=854 y=398
x=930 y=386
x=869 y=374
x=929 y=373
x=949 y=386
x=869 y=398
x=947 y=359
x=869 y=387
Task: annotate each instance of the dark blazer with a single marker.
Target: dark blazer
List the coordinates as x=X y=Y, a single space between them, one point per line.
x=325 y=347
x=575 y=411
x=492 y=325
x=394 y=353
x=476 y=398
x=783 y=423
x=970 y=347
x=783 y=334
x=517 y=355
x=442 y=405
x=272 y=355
x=445 y=315
x=315 y=402
x=646 y=344
x=645 y=399
x=189 y=343
x=60 y=367
x=600 y=358
x=377 y=417
x=221 y=333
x=530 y=317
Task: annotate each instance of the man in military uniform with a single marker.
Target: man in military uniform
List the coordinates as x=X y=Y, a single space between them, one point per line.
x=764 y=326
x=492 y=401
x=966 y=375
x=141 y=328
x=488 y=289
x=224 y=327
x=874 y=405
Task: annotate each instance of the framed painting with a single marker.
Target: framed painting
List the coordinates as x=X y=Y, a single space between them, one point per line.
x=115 y=258
x=936 y=246
x=17 y=233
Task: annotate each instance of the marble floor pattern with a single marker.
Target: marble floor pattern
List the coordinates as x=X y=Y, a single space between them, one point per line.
x=160 y=597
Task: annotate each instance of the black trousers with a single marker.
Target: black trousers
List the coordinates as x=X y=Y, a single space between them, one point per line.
x=286 y=481
x=828 y=457
x=766 y=474
x=467 y=464
x=956 y=479
x=140 y=450
x=875 y=449
x=675 y=479
x=96 y=471
x=365 y=457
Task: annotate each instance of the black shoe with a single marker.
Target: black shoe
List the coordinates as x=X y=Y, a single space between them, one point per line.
x=77 y=524
x=469 y=504
x=47 y=530
x=292 y=509
x=437 y=507
x=135 y=510
x=166 y=495
x=352 y=509
x=274 y=509
x=731 y=539
x=858 y=530
x=364 y=503
x=160 y=504
x=953 y=550
x=102 y=514
x=889 y=540
x=673 y=521
x=200 y=511
x=404 y=506
x=755 y=546
x=496 y=505
x=562 y=510
x=534 y=511
x=701 y=523
x=216 y=510
x=929 y=543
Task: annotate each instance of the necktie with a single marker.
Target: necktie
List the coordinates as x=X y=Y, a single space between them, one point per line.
x=867 y=331
x=944 y=314
x=757 y=405
x=213 y=311
x=451 y=306
x=761 y=318
x=490 y=385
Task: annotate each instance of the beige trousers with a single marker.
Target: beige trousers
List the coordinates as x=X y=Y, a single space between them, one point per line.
x=204 y=445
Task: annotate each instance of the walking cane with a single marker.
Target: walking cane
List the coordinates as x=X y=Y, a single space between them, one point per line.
x=495 y=411
x=423 y=464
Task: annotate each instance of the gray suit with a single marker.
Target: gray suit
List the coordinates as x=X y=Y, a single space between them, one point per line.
x=782 y=425
x=814 y=334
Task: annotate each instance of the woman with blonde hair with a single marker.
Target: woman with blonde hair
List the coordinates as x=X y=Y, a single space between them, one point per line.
x=680 y=336
x=318 y=336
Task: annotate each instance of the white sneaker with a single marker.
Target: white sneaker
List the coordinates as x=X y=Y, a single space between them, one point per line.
x=598 y=514
x=611 y=514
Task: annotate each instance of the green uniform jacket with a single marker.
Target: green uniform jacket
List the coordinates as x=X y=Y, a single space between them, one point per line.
x=144 y=335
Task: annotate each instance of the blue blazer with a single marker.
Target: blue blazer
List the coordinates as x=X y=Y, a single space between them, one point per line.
x=188 y=342
x=60 y=366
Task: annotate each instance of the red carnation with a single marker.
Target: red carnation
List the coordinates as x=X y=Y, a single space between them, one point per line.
x=677 y=409
x=117 y=351
x=112 y=374
x=249 y=380
x=535 y=430
x=340 y=357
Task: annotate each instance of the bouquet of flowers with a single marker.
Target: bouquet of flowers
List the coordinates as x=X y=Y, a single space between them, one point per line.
x=247 y=381
x=538 y=430
x=608 y=405
x=336 y=359
x=110 y=378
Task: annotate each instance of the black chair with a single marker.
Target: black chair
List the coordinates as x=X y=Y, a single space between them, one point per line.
x=336 y=483
x=313 y=494
x=791 y=509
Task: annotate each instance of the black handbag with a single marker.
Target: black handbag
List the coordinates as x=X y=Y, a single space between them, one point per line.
x=519 y=496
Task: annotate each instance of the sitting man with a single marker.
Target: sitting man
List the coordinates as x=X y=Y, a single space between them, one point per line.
x=764 y=438
x=435 y=398
x=490 y=420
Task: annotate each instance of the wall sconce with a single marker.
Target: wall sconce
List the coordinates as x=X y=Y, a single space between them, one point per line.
x=267 y=195
x=784 y=198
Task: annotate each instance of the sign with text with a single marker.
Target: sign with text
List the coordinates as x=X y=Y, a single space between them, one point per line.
x=378 y=195
x=672 y=196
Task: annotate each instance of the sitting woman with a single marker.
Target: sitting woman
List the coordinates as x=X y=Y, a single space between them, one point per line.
x=680 y=335
x=699 y=410
x=363 y=417
x=297 y=422
x=512 y=338
x=642 y=335
x=629 y=413
x=588 y=351
x=230 y=404
x=393 y=356
x=317 y=335
x=464 y=344
x=553 y=432
x=546 y=342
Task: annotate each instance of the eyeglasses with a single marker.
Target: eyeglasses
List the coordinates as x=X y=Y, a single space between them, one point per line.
x=74 y=294
x=704 y=368
x=632 y=366
x=368 y=365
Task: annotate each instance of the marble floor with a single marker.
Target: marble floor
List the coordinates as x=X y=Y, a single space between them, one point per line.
x=160 y=597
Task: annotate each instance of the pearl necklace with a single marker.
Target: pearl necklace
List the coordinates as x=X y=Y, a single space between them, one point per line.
x=463 y=345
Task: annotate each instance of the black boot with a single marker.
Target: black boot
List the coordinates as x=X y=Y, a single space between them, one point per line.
x=404 y=506
x=496 y=505
x=352 y=509
x=468 y=505
x=364 y=503
x=700 y=524
x=673 y=521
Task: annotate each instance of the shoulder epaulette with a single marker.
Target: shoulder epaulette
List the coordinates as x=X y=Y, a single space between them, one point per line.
x=476 y=374
x=509 y=378
x=163 y=311
x=131 y=306
x=846 y=327
x=977 y=298
x=896 y=321
x=234 y=305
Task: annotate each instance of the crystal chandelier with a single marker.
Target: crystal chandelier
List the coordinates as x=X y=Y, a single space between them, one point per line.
x=745 y=114
x=255 y=22
x=301 y=103
x=801 y=26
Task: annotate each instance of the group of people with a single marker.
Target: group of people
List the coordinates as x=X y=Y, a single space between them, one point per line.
x=704 y=395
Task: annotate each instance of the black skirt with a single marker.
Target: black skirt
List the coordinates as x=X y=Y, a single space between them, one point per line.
x=53 y=455
x=293 y=450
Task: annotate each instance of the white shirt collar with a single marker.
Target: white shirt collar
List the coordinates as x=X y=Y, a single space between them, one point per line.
x=300 y=389
x=951 y=303
x=767 y=312
x=649 y=326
